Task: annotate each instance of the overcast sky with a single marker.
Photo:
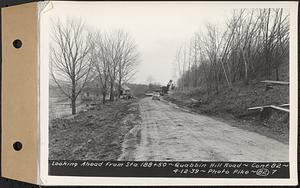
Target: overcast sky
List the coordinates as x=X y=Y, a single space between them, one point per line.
x=159 y=28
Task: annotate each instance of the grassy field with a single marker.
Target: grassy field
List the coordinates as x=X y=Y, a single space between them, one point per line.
x=96 y=134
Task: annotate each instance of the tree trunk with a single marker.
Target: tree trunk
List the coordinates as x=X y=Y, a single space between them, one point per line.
x=73 y=98
x=267 y=48
x=111 y=96
x=103 y=97
x=246 y=79
x=277 y=73
x=73 y=105
x=119 y=88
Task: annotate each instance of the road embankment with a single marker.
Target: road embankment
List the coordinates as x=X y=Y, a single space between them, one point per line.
x=232 y=105
x=95 y=134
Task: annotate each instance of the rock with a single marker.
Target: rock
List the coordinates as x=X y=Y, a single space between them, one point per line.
x=90 y=124
x=115 y=143
x=132 y=109
x=76 y=149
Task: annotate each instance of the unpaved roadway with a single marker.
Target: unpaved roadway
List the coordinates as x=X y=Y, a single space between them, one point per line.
x=168 y=132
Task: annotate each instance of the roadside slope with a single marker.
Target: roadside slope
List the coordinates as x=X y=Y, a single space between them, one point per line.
x=96 y=134
x=232 y=104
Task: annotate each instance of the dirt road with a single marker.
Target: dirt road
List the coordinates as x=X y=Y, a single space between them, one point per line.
x=168 y=132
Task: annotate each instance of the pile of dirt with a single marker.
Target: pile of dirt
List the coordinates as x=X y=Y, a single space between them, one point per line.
x=233 y=103
x=96 y=134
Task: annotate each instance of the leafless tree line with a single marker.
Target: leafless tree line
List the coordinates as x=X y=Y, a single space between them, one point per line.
x=79 y=57
x=253 y=44
x=114 y=58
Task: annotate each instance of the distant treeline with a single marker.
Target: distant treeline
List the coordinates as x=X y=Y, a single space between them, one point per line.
x=139 y=90
x=253 y=43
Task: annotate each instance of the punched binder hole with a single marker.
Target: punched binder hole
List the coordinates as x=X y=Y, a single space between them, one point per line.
x=17 y=146
x=17 y=43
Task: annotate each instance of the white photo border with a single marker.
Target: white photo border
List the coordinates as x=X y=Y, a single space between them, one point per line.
x=45 y=179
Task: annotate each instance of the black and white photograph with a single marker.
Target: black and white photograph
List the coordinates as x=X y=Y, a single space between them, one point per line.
x=167 y=81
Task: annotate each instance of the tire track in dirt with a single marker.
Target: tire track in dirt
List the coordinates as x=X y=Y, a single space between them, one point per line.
x=168 y=132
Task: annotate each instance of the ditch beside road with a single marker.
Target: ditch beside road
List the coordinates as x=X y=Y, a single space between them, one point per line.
x=168 y=132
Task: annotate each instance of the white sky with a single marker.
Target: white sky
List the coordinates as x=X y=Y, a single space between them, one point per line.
x=159 y=28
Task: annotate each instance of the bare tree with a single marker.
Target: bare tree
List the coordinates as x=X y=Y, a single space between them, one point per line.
x=70 y=63
x=115 y=58
x=254 y=42
x=101 y=62
x=128 y=59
